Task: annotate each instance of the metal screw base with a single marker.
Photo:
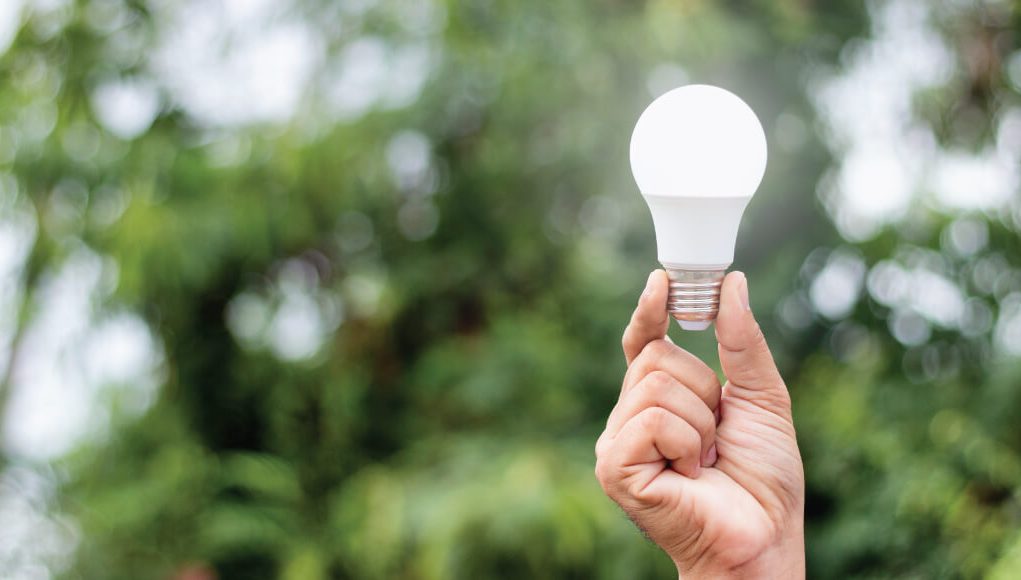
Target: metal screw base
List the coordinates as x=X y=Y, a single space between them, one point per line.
x=694 y=298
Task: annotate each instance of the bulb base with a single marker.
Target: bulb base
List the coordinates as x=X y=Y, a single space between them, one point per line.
x=694 y=298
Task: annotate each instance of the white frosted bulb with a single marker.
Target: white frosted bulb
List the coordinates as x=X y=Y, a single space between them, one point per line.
x=698 y=154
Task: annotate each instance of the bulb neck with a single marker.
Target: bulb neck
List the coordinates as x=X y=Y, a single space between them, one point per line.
x=694 y=298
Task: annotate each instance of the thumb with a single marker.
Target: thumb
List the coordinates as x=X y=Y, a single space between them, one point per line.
x=744 y=354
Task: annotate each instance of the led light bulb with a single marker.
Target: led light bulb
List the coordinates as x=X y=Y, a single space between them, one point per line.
x=698 y=154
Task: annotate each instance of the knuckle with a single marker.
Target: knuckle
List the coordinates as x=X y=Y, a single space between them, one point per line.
x=694 y=439
x=705 y=425
x=605 y=475
x=658 y=383
x=781 y=397
x=708 y=389
x=708 y=379
x=659 y=348
x=776 y=398
x=653 y=418
x=698 y=414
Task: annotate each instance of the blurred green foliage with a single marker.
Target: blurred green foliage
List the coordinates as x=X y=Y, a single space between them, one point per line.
x=470 y=299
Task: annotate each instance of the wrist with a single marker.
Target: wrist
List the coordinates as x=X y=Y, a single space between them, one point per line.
x=783 y=560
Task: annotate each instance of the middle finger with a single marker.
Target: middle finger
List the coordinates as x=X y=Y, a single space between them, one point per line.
x=660 y=355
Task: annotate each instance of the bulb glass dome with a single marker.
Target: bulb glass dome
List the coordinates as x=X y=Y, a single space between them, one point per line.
x=698 y=141
x=698 y=153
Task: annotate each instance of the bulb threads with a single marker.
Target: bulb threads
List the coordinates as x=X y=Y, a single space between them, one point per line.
x=694 y=294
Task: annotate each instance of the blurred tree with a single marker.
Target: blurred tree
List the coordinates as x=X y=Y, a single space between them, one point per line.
x=911 y=409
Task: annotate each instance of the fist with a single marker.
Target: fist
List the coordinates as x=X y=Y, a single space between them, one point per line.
x=710 y=473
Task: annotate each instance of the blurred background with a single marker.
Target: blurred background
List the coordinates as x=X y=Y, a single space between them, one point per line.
x=304 y=289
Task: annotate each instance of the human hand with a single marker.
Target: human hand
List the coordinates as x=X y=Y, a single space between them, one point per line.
x=712 y=475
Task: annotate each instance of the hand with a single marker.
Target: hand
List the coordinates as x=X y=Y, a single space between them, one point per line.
x=712 y=475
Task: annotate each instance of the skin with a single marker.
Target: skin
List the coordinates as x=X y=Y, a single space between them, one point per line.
x=711 y=473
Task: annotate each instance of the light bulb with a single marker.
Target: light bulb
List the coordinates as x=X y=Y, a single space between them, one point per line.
x=698 y=154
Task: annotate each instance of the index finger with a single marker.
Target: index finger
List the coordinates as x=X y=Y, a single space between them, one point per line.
x=650 y=320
